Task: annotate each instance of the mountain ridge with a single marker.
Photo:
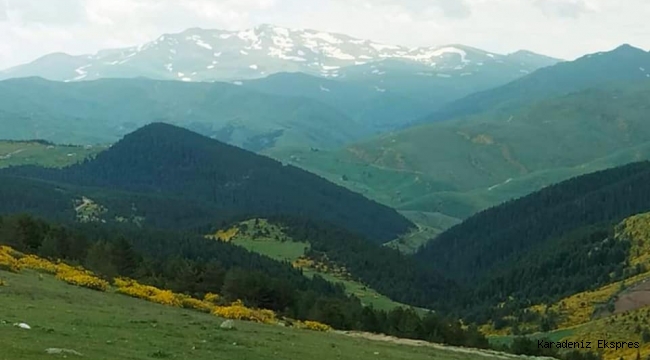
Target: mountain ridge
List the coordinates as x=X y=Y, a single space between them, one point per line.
x=253 y=53
x=623 y=63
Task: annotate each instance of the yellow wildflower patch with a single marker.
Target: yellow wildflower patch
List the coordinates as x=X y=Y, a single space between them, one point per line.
x=7 y=261
x=36 y=263
x=82 y=279
x=313 y=325
x=636 y=229
x=72 y=275
x=212 y=298
x=323 y=265
x=237 y=311
x=196 y=304
x=134 y=289
x=224 y=235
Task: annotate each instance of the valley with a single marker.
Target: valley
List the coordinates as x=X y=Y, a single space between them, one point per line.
x=461 y=166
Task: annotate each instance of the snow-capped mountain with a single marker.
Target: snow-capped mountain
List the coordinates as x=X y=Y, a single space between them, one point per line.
x=210 y=55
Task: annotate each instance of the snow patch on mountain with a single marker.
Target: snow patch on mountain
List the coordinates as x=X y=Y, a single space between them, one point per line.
x=278 y=49
x=382 y=47
x=322 y=36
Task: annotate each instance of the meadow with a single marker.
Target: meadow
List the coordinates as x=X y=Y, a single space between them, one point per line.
x=14 y=153
x=107 y=325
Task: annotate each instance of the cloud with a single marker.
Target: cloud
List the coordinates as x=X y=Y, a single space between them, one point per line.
x=563 y=8
x=46 y=12
x=3 y=10
x=454 y=8
x=418 y=8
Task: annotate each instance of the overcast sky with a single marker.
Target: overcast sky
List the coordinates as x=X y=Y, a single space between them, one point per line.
x=560 y=28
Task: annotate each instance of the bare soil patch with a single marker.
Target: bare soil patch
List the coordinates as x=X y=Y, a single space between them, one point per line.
x=634 y=298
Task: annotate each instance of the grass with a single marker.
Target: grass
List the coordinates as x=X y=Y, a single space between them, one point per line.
x=112 y=326
x=13 y=153
x=278 y=250
x=291 y=251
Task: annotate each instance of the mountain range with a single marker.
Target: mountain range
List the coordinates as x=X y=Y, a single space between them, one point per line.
x=379 y=87
x=209 y=55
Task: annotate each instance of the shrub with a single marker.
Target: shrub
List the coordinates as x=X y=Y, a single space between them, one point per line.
x=134 y=289
x=212 y=298
x=36 y=263
x=7 y=260
x=196 y=304
x=238 y=311
x=313 y=325
x=72 y=275
x=83 y=280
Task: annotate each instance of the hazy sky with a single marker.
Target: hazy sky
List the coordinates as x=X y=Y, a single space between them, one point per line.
x=561 y=28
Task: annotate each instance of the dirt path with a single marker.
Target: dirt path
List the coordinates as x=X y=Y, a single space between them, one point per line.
x=469 y=351
x=8 y=156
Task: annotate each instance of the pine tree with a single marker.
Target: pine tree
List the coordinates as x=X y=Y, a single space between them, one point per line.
x=98 y=259
x=49 y=248
x=124 y=258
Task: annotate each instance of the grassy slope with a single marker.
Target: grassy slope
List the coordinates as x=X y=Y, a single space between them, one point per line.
x=36 y=153
x=462 y=166
x=276 y=245
x=112 y=326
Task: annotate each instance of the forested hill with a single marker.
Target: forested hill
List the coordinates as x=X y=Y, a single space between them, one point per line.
x=168 y=161
x=547 y=244
x=502 y=233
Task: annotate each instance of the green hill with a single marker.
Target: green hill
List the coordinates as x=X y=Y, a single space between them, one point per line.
x=545 y=246
x=161 y=163
x=103 y=111
x=462 y=166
